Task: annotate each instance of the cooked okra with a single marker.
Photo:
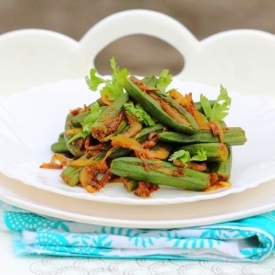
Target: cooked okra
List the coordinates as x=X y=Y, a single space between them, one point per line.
x=145 y=135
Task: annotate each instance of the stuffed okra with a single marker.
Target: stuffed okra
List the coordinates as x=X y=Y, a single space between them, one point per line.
x=145 y=135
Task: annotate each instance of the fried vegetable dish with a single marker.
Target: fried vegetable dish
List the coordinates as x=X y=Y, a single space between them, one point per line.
x=144 y=135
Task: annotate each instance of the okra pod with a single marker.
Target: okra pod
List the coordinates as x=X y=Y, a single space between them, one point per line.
x=223 y=168
x=153 y=107
x=179 y=108
x=160 y=172
x=74 y=147
x=144 y=133
x=60 y=147
x=232 y=136
x=103 y=129
x=119 y=152
x=78 y=119
x=129 y=184
x=70 y=175
x=61 y=137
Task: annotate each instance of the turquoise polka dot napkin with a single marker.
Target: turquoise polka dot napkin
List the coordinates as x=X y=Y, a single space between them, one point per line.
x=250 y=239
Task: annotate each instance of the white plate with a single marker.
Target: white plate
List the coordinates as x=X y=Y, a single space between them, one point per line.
x=256 y=201
x=32 y=120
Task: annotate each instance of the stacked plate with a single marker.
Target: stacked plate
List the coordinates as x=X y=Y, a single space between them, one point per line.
x=32 y=118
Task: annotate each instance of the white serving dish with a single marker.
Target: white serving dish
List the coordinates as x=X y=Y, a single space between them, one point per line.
x=29 y=132
x=242 y=60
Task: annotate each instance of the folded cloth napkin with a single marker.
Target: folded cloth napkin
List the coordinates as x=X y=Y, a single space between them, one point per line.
x=250 y=239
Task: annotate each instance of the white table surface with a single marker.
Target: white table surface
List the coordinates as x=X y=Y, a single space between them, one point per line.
x=10 y=263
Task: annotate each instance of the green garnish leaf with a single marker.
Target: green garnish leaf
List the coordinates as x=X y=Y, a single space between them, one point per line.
x=220 y=108
x=88 y=122
x=94 y=81
x=113 y=87
x=164 y=80
x=200 y=156
x=93 y=115
x=150 y=80
x=206 y=106
x=140 y=113
x=184 y=156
